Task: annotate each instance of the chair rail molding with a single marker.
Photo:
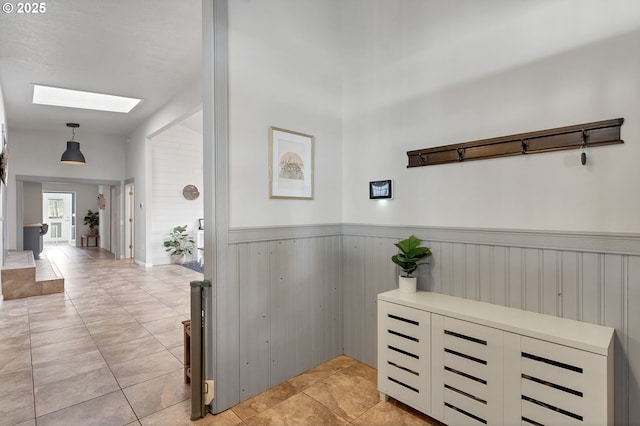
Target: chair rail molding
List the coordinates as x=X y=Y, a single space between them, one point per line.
x=591 y=242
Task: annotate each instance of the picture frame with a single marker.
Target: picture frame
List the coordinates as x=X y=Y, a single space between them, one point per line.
x=380 y=189
x=290 y=164
x=4 y=157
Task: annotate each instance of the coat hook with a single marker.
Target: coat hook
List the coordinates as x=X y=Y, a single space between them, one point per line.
x=423 y=158
x=460 y=154
x=525 y=146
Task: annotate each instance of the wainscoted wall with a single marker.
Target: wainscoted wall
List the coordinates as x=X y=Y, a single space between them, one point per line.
x=290 y=300
x=587 y=277
x=308 y=293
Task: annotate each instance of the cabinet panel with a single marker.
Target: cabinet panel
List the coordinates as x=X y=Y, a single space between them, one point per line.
x=489 y=365
x=404 y=351
x=459 y=418
x=461 y=402
x=566 y=381
x=551 y=373
x=534 y=414
x=472 y=364
x=552 y=396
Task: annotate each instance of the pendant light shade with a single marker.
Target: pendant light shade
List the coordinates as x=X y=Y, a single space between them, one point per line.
x=73 y=155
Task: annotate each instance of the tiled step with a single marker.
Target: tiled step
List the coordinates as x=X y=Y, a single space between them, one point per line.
x=22 y=276
x=49 y=277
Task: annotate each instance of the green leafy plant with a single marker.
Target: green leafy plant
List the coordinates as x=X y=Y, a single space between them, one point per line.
x=411 y=253
x=179 y=241
x=92 y=219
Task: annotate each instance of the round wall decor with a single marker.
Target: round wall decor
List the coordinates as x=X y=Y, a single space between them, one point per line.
x=190 y=192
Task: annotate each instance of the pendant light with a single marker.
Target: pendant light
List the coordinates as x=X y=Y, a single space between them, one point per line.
x=73 y=155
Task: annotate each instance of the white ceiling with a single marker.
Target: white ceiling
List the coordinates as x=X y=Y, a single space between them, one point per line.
x=149 y=49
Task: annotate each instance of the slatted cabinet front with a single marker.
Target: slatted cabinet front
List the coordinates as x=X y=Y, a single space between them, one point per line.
x=560 y=385
x=404 y=349
x=458 y=369
x=467 y=372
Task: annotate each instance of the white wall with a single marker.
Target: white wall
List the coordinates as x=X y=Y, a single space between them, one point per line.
x=37 y=153
x=284 y=71
x=413 y=83
x=176 y=161
x=138 y=166
x=105 y=218
x=3 y=190
x=32 y=203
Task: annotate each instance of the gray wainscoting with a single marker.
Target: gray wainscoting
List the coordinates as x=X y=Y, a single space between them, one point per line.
x=589 y=277
x=308 y=293
x=290 y=305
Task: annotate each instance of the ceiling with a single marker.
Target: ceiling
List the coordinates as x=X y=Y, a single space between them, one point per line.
x=149 y=49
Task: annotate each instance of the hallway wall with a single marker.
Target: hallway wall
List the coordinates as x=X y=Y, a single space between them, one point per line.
x=176 y=161
x=403 y=85
x=138 y=165
x=412 y=83
x=34 y=156
x=4 y=208
x=288 y=82
x=581 y=276
x=290 y=304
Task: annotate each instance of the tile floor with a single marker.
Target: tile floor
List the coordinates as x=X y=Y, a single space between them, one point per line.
x=109 y=351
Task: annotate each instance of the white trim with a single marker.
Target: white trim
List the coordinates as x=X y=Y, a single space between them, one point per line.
x=609 y=243
x=140 y=263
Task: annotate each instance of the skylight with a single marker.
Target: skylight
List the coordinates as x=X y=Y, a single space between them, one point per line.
x=45 y=95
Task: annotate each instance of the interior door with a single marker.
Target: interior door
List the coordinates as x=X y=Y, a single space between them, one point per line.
x=129 y=223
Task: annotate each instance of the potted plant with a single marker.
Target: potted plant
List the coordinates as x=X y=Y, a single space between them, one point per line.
x=411 y=253
x=179 y=244
x=93 y=220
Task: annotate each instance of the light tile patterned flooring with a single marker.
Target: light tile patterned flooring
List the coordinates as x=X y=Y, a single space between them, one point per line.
x=109 y=351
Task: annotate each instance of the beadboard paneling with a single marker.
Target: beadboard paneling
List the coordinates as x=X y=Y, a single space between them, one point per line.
x=595 y=283
x=290 y=310
x=306 y=296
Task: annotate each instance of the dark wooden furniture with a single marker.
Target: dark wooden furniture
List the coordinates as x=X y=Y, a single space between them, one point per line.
x=187 y=350
x=96 y=238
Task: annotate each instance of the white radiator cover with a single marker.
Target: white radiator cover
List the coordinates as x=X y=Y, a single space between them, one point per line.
x=465 y=362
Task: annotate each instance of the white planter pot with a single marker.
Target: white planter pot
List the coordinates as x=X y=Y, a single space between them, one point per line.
x=407 y=284
x=178 y=259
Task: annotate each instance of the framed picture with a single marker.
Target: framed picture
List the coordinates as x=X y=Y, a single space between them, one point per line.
x=4 y=157
x=380 y=189
x=290 y=164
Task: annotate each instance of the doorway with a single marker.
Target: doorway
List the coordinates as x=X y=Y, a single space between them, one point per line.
x=129 y=222
x=59 y=212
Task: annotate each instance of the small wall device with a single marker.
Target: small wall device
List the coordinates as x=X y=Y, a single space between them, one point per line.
x=380 y=189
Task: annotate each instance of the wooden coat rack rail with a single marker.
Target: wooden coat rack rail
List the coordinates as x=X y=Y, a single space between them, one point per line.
x=571 y=137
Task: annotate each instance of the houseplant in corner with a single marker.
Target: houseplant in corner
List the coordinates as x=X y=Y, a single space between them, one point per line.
x=411 y=253
x=179 y=243
x=93 y=220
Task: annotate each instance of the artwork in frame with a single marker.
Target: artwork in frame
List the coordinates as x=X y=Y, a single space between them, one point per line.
x=290 y=164
x=4 y=157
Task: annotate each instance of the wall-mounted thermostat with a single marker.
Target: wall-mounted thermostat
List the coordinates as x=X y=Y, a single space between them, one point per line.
x=380 y=189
